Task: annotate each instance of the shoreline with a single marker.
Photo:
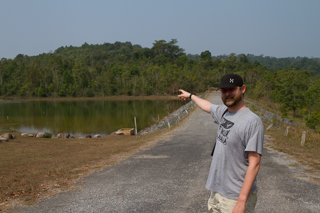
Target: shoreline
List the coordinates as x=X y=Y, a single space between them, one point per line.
x=172 y=118
x=152 y=97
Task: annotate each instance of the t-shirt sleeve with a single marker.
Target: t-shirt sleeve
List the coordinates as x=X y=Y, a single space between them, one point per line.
x=255 y=137
x=217 y=111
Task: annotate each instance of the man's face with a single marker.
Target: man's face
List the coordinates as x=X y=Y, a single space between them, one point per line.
x=231 y=96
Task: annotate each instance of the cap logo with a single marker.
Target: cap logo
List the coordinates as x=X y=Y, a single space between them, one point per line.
x=231 y=80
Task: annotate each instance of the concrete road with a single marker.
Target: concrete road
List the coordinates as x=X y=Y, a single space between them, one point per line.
x=171 y=177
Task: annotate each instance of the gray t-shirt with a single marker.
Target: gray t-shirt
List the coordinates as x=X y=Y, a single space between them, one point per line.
x=238 y=133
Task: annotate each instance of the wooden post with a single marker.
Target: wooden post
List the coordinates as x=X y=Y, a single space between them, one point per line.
x=286 y=132
x=169 y=125
x=135 y=126
x=269 y=127
x=303 y=138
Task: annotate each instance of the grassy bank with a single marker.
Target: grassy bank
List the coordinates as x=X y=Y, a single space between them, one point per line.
x=33 y=168
x=307 y=154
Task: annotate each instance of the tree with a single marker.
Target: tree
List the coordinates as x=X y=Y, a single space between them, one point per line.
x=290 y=90
x=168 y=49
x=244 y=59
x=206 y=55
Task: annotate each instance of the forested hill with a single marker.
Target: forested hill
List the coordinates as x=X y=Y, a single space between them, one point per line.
x=126 y=69
x=294 y=63
x=298 y=63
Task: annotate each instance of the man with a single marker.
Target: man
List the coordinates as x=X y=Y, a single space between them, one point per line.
x=238 y=149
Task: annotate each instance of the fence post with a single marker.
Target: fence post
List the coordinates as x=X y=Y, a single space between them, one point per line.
x=269 y=127
x=135 y=126
x=303 y=138
x=286 y=132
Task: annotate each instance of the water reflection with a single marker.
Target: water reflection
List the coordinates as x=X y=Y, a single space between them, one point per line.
x=82 y=117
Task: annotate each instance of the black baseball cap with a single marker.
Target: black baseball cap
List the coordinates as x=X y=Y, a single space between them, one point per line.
x=230 y=81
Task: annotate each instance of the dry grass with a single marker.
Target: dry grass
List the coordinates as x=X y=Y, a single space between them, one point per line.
x=33 y=168
x=309 y=154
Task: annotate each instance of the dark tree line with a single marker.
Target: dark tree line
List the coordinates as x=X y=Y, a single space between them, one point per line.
x=111 y=69
x=294 y=63
x=126 y=69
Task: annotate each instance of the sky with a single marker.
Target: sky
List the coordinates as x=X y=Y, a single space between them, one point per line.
x=276 y=28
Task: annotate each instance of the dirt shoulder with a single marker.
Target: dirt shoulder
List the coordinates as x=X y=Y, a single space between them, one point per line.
x=35 y=168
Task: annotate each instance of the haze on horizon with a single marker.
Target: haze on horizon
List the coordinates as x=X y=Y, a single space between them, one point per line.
x=270 y=28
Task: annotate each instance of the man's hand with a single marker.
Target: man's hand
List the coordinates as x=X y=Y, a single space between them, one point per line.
x=239 y=208
x=203 y=104
x=184 y=95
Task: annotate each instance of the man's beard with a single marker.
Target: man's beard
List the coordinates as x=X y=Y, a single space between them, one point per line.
x=235 y=100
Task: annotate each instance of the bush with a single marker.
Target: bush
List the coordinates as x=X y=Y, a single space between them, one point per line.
x=48 y=135
x=313 y=120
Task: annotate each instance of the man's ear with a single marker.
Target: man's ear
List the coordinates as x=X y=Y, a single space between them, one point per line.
x=243 y=89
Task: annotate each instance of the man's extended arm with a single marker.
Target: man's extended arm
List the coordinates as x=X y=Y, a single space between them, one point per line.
x=251 y=174
x=203 y=104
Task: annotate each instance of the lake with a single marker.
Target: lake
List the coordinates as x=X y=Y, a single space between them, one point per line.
x=79 y=118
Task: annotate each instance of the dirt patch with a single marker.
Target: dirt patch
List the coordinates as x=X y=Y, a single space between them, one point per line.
x=32 y=169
